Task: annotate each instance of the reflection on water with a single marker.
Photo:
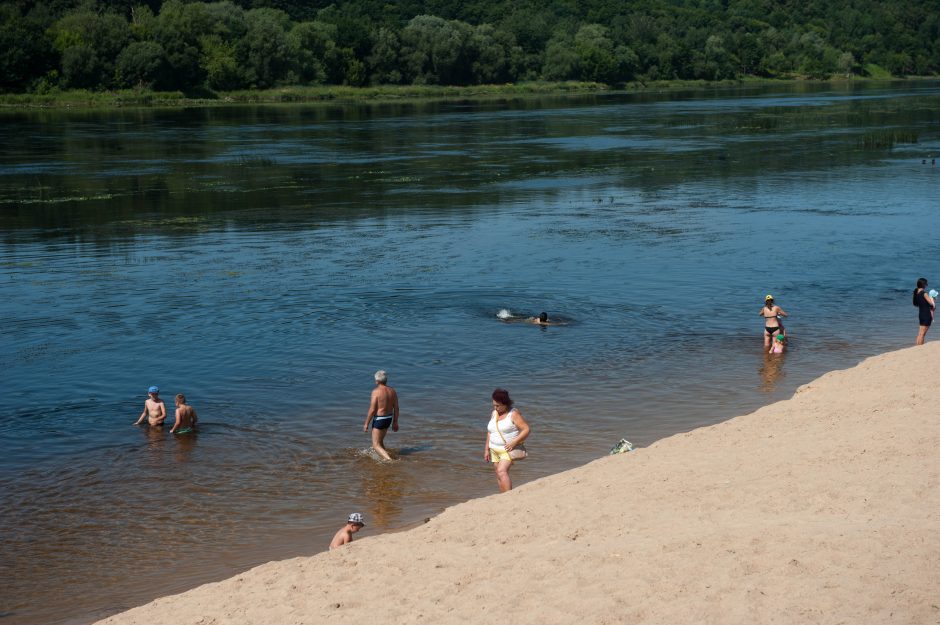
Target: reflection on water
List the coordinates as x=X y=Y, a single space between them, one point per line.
x=771 y=371
x=267 y=260
x=383 y=487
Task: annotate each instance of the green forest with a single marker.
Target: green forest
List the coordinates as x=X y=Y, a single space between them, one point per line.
x=206 y=47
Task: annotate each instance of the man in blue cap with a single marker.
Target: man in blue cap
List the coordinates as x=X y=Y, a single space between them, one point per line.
x=154 y=408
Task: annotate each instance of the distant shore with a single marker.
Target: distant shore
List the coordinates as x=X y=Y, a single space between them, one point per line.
x=819 y=509
x=131 y=98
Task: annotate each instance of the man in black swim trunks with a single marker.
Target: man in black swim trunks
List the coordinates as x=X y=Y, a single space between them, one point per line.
x=383 y=412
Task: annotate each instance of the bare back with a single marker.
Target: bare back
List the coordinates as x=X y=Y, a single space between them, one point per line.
x=185 y=416
x=770 y=315
x=385 y=400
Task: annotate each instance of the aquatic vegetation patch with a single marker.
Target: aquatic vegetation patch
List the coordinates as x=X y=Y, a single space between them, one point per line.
x=58 y=200
x=256 y=161
x=887 y=139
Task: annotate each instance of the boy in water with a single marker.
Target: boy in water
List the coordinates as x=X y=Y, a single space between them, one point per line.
x=345 y=534
x=154 y=408
x=185 y=417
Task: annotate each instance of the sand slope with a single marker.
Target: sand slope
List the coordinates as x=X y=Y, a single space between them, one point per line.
x=821 y=509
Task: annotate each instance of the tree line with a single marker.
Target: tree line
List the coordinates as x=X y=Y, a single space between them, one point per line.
x=258 y=44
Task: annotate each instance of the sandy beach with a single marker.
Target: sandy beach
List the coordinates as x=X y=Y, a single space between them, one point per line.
x=824 y=508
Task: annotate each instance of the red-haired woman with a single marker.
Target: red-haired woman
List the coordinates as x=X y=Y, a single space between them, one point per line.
x=505 y=431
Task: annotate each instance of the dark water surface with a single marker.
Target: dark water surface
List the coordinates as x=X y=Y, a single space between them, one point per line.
x=267 y=260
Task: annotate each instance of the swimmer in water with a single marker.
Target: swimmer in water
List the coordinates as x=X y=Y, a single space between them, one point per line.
x=185 y=417
x=154 y=409
x=542 y=320
x=779 y=344
x=506 y=316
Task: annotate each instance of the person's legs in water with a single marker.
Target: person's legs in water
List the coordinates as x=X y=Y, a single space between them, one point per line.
x=921 y=335
x=378 y=440
x=769 y=335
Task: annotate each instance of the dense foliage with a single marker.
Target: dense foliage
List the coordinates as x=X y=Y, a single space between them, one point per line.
x=227 y=45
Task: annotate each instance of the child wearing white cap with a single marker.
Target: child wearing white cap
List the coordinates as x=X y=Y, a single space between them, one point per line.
x=353 y=524
x=154 y=408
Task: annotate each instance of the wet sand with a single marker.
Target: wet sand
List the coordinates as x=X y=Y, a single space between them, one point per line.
x=822 y=508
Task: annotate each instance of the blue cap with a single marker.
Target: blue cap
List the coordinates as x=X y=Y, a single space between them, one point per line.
x=153 y=389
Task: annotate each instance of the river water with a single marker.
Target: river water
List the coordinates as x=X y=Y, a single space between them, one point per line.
x=266 y=260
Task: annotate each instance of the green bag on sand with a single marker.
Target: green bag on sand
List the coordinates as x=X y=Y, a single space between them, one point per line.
x=622 y=446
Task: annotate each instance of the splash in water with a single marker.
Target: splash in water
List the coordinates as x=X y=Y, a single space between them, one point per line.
x=504 y=313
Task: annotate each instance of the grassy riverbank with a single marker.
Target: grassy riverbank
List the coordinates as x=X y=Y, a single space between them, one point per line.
x=389 y=93
x=333 y=93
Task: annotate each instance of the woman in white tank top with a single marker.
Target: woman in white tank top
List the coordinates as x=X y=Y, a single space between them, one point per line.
x=506 y=424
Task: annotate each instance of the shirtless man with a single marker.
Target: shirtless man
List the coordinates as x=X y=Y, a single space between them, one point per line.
x=383 y=412
x=344 y=535
x=154 y=408
x=185 y=417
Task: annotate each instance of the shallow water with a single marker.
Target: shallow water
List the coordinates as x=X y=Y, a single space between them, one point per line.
x=267 y=260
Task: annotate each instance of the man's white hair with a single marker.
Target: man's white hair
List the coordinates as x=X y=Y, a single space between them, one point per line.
x=381 y=376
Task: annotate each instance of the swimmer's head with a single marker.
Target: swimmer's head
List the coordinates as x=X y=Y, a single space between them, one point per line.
x=769 y=298
x=180 y=399
x=381 y=377
x=153 y=390
x=780 y=337
x=543 y=317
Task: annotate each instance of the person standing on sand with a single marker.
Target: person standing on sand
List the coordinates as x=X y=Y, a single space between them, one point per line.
x=154 y=408
x=771 y=314
x=506 y=430
x=185 y=417
x=345 y=534
x=926 y=307
x=383 y=412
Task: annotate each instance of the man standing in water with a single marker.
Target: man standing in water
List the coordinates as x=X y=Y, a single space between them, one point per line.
x=383 y=412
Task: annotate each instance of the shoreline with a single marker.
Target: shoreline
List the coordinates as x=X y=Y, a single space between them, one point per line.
x=333 y=94
x=818 y=508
